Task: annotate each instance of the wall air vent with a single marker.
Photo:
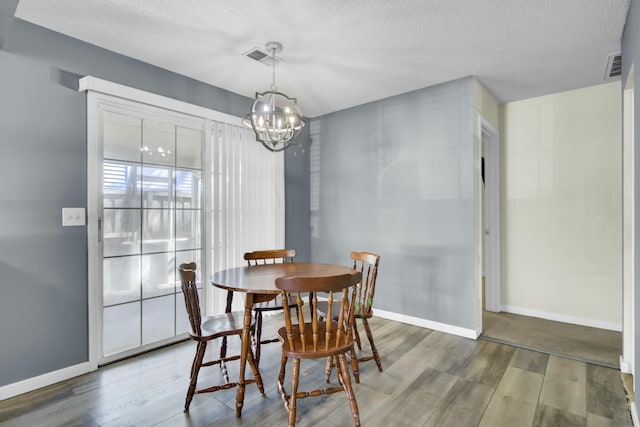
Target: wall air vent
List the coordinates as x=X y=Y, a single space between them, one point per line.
x=261 y=56
x=614 y=66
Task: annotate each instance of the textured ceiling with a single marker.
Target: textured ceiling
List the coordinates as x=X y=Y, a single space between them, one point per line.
x=338 y=53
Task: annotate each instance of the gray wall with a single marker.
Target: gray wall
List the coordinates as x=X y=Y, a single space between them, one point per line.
x=296 y=193
x=631 y=55
x=395 y=177
x=367 y=172
x=7 y=9
x=43 y=267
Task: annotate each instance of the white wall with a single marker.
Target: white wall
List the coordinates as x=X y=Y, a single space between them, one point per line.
x=485 y=104
x=562 y=206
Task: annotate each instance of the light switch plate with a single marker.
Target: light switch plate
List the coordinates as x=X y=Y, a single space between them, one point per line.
x=73 y=217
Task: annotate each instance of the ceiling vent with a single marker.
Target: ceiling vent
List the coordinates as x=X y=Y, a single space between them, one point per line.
x=261 y=56
x=614 y=66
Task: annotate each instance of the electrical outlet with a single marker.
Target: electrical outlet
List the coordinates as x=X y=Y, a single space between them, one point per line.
x=72 y=217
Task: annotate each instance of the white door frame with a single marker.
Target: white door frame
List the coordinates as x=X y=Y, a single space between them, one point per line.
x=98 y=103
x=490 y=145
x=101 y=92
x=627 y=359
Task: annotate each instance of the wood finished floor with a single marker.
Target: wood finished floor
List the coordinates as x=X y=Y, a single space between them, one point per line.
x=599 y=346
x=429 y=379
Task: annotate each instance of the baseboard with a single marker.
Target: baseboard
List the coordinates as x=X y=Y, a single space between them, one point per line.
x=634 y=414
x=601 y=324
x=44 y=380
x=429 y=324
x=625 y=367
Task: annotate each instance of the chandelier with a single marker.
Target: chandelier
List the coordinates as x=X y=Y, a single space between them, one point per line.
x=274 y=117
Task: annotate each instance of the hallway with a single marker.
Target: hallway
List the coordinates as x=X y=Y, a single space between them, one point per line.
x=598 y=346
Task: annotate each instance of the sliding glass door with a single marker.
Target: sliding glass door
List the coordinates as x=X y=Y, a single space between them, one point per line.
x=168 y=182
x=152 y=205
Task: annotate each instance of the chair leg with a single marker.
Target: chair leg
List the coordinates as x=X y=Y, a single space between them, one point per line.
x=195 y=362
x=195 y=368
x=328 y=368
x=355 y=366
x=223 y=348
x=374 y=350
x=256 y=371
x=223 y=345
x=343 y=371
x=356 y=335
x=294 y=390
x=225 y=373
x=283 y=364
x=258 y=335
x=280 y=382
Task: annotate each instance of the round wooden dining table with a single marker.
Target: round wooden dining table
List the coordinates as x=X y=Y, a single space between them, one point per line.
x=258 y=282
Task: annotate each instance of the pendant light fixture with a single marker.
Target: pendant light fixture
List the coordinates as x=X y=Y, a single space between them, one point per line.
x=274 y=117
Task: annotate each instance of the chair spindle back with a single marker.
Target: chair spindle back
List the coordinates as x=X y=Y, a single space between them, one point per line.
x=367 y=264
x=315 y=335
x=191 y=299
x=271 y=256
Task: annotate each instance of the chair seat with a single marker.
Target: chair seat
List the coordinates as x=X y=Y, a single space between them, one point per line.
x=323 y=307
x=309 y=352
x=221 y=325
x=272 y=305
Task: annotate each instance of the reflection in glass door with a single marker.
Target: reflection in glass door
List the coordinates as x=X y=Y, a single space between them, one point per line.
x=151 y=223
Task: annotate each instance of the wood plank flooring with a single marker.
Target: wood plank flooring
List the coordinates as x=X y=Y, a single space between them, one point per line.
x=429 y=379
x=593 y=345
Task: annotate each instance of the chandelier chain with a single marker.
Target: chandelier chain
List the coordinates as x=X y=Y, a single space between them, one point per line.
x=274 y=88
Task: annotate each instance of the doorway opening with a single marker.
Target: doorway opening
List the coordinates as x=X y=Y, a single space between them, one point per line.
x=490 y=174
x=523 y=330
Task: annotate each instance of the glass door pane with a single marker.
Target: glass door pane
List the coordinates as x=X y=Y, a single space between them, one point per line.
x=152 y=222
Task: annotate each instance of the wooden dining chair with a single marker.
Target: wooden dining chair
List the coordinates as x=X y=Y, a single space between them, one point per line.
x=315 y=339
x=367 y=264
x=205 y=329
x=267 y=257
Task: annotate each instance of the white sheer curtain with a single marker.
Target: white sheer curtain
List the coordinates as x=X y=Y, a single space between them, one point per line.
x=246 y=210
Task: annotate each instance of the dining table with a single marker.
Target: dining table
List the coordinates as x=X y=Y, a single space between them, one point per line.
x=258 y=283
